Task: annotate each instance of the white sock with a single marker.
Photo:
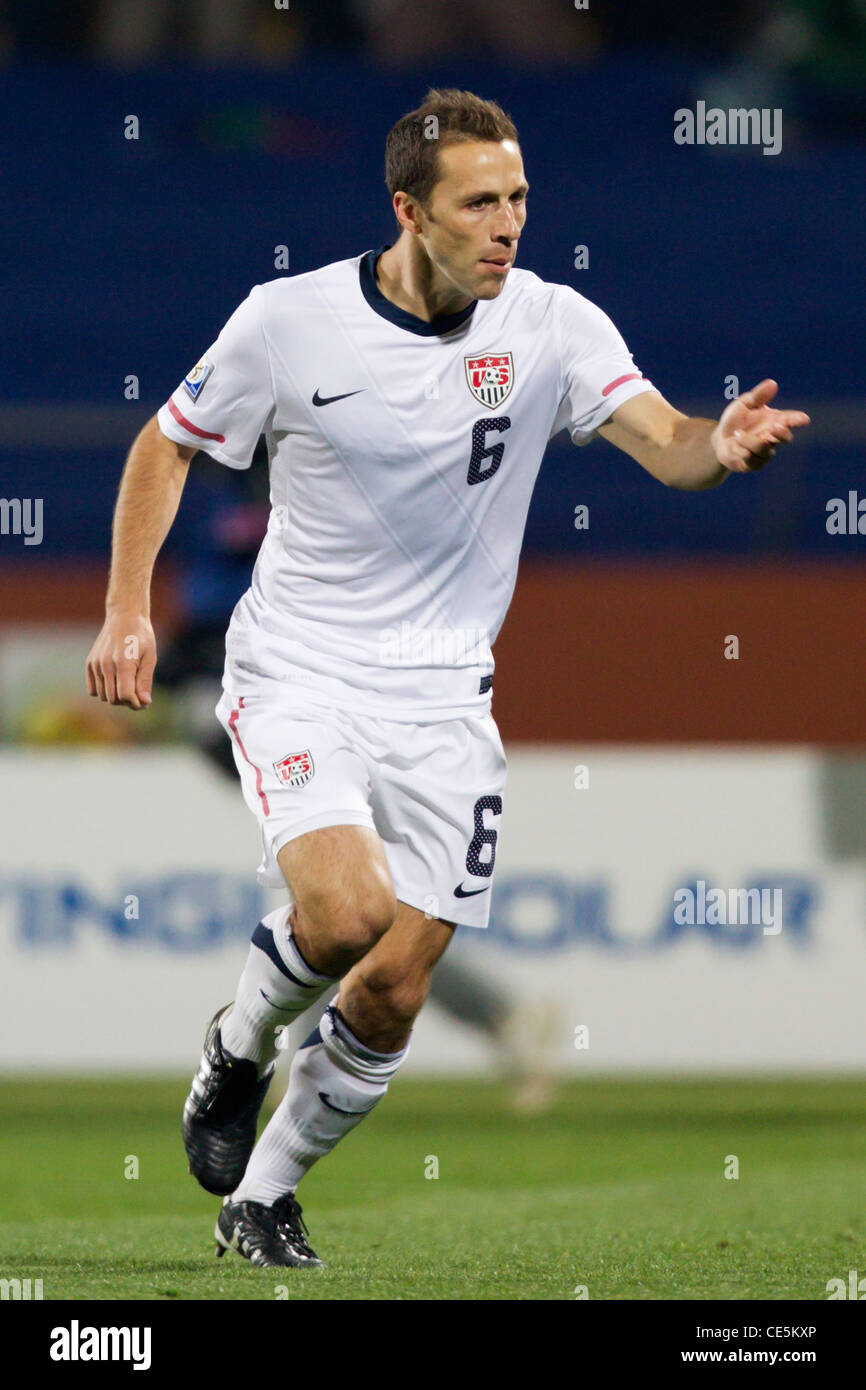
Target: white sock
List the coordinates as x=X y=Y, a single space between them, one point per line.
x=276 y=985
x=334 y=1082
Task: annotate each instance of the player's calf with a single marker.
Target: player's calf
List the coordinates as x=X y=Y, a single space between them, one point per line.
x=380 y=1003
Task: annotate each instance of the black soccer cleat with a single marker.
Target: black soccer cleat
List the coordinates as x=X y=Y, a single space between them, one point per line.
x=220 y=1114
x=266 y=1236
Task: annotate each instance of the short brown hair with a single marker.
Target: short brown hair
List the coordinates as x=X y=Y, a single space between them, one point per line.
x=413 y=144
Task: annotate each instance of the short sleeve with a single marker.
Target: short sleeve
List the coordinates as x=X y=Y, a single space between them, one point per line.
x=598 y=371
x=224 y=403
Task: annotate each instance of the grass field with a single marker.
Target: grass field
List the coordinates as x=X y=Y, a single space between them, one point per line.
x=620 y=1188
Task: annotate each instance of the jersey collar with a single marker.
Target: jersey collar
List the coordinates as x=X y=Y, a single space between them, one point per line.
x=444 y=323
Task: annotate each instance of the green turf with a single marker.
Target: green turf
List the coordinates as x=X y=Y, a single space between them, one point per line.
x=620 y=1188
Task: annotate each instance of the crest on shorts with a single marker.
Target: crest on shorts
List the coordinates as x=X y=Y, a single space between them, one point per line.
x=296 y=769
x=196 y=379
x=490 y=377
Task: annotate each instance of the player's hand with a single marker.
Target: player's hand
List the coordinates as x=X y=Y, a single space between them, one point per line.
x=121 y=662
x=750 y=429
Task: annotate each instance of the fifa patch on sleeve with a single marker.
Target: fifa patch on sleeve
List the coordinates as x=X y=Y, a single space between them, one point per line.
x=196 y=379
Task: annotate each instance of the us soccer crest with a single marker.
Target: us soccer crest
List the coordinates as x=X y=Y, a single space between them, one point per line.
x=296 y=769
x=197 y=378
x=490 y=377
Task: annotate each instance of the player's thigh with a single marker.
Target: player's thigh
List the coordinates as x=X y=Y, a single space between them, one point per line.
x=339 y=879
x=308 y=785
x=394 y=976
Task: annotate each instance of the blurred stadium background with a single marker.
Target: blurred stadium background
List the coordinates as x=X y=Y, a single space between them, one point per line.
x=127 y=857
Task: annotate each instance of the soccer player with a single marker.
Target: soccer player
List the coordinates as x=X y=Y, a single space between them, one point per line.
x=407 y=396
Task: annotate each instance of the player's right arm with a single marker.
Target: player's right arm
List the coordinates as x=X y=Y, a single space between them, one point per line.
x=222 y=406
x=121 y=662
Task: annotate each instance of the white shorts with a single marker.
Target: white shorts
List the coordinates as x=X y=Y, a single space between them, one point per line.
x=432 y=792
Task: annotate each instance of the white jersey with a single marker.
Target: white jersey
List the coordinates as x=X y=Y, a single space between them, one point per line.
x=403 y=455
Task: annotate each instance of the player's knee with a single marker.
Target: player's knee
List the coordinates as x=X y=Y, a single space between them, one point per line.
x=354 y=923
x=374 y=913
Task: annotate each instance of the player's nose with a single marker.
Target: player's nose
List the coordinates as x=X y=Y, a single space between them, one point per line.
x=505 y=224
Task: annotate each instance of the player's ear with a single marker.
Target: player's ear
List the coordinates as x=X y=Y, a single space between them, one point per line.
x=406 y=210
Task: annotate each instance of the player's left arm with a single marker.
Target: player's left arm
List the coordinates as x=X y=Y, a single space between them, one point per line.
x=692 y=454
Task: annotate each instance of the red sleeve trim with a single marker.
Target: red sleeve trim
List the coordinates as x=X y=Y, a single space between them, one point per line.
x=632 y=376
x=193 y=429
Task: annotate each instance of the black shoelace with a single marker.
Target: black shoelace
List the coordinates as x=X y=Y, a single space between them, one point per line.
x=287 y=1212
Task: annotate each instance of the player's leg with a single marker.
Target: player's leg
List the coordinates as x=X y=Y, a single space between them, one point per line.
x=343 y=1068
x=381 y=997
x=312 y=809
x=338 y=1075
x=344 y=902
x=434 y=790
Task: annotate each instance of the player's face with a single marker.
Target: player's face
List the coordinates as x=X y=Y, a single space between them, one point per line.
x=475 y=216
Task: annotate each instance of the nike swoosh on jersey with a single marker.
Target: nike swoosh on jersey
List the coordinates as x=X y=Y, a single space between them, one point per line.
x=329 y=400
x=326 y=1100
x=461 y=892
